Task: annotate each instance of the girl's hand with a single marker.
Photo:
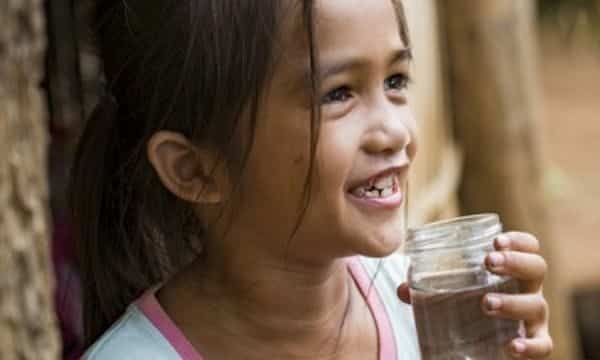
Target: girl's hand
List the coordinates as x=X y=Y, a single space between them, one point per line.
x=517 y=255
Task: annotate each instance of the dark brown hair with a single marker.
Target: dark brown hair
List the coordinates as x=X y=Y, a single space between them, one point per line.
x=195 y=67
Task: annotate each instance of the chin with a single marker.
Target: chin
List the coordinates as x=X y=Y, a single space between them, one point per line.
x=381 y=244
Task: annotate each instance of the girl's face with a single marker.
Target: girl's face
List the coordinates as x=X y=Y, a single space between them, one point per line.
x=366 y=140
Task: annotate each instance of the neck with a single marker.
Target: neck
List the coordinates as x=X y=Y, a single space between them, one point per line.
x=283 y=306
x=279 y=300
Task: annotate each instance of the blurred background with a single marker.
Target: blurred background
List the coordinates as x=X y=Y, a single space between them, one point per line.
x=506 y=93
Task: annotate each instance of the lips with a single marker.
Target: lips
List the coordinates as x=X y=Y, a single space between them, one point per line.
x=382 y=190
x=390 y=177
x=381 y=186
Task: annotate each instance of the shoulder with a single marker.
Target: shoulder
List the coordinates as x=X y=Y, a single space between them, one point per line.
x=386 y=275
x=389 y=271
x=132 y=337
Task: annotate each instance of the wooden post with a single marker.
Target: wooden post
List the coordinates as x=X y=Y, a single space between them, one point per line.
x=494 y=90
x=436 y=172
x=27 y=322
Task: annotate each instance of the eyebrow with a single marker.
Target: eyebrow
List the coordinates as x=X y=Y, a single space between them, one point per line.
x=334 y=68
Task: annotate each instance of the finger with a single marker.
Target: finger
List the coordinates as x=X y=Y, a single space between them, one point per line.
x=536 y=348
x=523 y=266
x=517 y=241
x=532 y=308
x=404 y=293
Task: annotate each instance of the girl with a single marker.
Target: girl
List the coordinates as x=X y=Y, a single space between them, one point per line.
x=235 y=189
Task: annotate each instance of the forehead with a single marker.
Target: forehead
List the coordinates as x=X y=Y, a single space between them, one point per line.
x=356 y=26
x=366 y=29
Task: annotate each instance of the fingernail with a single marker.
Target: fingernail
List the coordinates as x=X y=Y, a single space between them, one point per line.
x=502 y=241
x=518 y=346
x=493 y=302
x=496 y=259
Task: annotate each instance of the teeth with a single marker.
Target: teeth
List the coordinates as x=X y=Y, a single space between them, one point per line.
x=382 y=188
x=386 y=192
x=385 y=182
x=372 y=194
x=360 y=192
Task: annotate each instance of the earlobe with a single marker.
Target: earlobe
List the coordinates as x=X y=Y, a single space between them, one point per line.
x=184 y=169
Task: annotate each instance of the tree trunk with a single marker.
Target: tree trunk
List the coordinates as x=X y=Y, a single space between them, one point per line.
x=27 y=323
x=493 y=83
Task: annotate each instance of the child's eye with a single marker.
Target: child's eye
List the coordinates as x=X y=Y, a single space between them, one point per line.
x=397 y=82
x=340 y=94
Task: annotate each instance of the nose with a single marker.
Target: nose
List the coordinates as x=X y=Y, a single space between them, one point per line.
x=390 y=129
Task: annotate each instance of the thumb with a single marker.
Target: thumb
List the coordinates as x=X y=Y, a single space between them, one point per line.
x=404 y=293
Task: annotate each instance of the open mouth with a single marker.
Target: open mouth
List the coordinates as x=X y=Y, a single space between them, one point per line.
x=380 y=187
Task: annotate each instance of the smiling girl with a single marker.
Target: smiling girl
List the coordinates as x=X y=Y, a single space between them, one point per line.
x=239 y=190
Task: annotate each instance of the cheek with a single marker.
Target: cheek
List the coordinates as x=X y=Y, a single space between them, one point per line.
x=335 y=159
x=276 y=170
x=278 y=174
x=335 y=155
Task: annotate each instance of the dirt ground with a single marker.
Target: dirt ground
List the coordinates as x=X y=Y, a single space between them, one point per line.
x=570 y=74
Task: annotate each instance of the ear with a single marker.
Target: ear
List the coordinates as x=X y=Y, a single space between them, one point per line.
x=186 y=170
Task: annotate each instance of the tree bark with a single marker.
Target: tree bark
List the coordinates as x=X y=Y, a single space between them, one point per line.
x=27 y=322
x=493 y=84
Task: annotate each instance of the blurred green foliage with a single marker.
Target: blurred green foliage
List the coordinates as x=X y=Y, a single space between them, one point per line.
x=568 y=14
